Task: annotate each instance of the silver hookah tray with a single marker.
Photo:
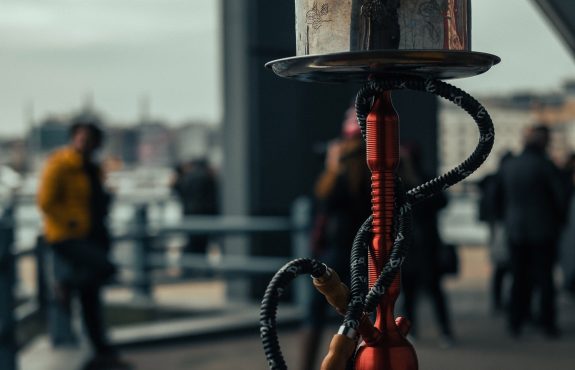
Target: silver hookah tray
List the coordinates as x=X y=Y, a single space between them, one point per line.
x=361 y=66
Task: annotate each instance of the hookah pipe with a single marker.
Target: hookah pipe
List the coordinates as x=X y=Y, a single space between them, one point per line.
x=384 y=346
x=391 y=350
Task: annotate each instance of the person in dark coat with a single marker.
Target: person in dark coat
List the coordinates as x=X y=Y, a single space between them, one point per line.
x=567 y=250
x=421 y=272
x=343 y=195
x=74 y=205
x=534 y=200
x=491 y=212
x=567 y=242
x=196 y=186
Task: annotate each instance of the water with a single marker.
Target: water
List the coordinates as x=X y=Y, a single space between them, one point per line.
x=458 y=222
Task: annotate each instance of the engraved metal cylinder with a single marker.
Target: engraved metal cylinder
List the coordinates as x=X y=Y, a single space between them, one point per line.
x=332 y=26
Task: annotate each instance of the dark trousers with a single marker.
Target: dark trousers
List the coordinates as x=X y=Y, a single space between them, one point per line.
x=414 y=285
x=196 y=244
x=83 y=270
x=500 y=271
x=91 y=313
x=532 y=267
x=91 y=302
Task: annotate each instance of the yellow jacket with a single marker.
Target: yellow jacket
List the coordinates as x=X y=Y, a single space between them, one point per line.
x=64 y=197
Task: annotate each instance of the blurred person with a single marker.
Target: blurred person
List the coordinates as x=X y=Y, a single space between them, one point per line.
x=567 y=243
x=342 y=193
x=568 y=172
x=491 y=212
x=422 y=270
x=567 y=250
x=195 y=185
x=534 y=198
x=74 y=205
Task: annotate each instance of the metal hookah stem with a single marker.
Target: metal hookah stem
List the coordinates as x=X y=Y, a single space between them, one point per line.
x=392 y=351
x=383 y=160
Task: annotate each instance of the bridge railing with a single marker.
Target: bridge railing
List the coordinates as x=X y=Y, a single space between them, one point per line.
x=148 y=255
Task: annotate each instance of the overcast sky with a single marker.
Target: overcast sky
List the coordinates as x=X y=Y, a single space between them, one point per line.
x=533 y=56
x=53 y=53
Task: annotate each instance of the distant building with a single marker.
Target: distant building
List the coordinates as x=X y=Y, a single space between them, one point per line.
x=155 y=145
x=148 y=142
x=50 y=134
x=558 y=112
x=198 y=140
x=122 y=145
x=44 y=137
x=13 y=154
x=458 y=133
x=511 y=115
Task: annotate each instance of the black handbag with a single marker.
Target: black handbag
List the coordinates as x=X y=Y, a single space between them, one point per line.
x=448 y=259
x=81 y=263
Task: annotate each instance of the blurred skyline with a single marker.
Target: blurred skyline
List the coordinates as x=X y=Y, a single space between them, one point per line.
x=57 y=53
x=533 y=57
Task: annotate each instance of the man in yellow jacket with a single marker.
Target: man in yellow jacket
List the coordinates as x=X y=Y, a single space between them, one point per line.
x=74 y=205
x=67 y=187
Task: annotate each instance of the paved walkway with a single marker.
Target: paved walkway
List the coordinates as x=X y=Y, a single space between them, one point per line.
x=482 y=342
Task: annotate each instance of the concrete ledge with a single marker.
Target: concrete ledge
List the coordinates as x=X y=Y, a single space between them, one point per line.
x=237 y=321
x=40 y=355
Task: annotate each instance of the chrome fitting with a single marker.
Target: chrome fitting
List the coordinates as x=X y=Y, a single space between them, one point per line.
x=326 y=275
x=347 y=331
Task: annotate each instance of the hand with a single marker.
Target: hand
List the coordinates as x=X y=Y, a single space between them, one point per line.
x=333 y=156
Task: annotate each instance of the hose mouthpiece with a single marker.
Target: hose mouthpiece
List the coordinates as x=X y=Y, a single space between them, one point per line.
x=336 y=293
x=341 y=349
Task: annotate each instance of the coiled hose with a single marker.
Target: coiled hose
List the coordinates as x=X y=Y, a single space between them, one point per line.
x=360 y=302
x=270 y=302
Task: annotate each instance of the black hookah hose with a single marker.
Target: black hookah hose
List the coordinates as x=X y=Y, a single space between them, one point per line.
x=270 y=302
x=360 y=301
x=419 y=193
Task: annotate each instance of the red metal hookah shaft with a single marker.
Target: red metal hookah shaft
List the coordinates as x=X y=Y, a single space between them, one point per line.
x=393 y=351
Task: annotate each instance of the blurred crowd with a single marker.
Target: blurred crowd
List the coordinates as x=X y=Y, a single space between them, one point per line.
x=529 y=207
x=527 y=204
x=75 y=205
x=343 y=202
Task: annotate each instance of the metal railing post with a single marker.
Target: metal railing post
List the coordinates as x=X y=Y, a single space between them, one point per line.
x=8 y=347
x=41 y=283
x=142 y=290
x=59 y=303
x=301 y=223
